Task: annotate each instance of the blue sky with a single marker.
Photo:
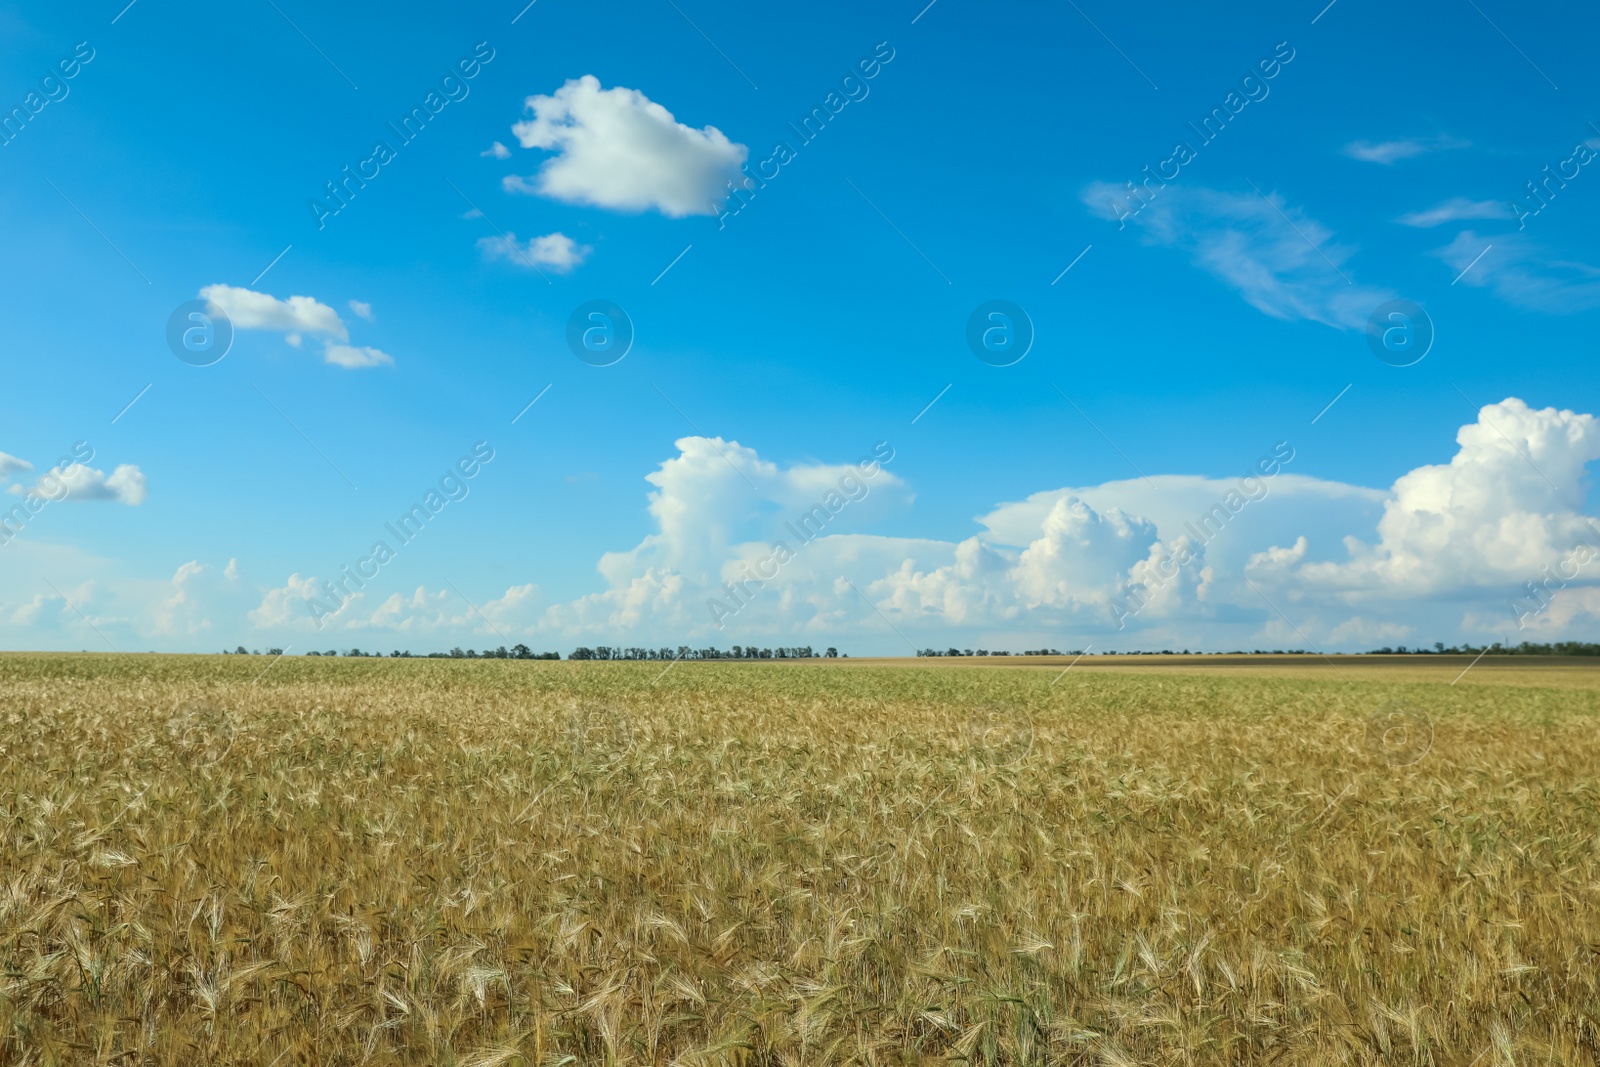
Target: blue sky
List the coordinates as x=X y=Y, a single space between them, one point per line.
x=1366 y=155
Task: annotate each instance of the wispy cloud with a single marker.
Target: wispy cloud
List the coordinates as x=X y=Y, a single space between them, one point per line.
x=1524 y=274
x=352 y=357
x=1458 y=209
x=1388 y=153
x=1284 y=263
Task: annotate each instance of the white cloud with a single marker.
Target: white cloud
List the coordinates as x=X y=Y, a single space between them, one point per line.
x=126 y=484
x=285 y=606
x=354 y=357
x=719 y=510
x=1458 y=209
x=1361 y=632
x=421 y=614
x=1504 y=507
x=9 y=465
x=183 y=610
x=1523 y=274
x=425 y=613
x=29 y=613
x=250 y=310
x=1467 y=528
x=555 y=250
x=81 y=597
x=1571 y=614
x=617 y=149
x=1081 y=554
x=1282 y=262
x=496 y=151
x=1388 y=153
x=1438 y=555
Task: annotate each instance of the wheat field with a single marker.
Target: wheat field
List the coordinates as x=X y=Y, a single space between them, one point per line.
x=488 y=862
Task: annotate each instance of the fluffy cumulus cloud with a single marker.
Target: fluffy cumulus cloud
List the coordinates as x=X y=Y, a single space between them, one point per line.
x=556 y=251
x=296 y=318
x=60 y=606
x=1489 y=543
x=285 y=606
x=1505 y=507
x=125 y=485
x=422 y=614
x=618 y=149
x=1281 y=261
x=250 y=310
x=197 y=590
x=744 y=548
x=76 y=481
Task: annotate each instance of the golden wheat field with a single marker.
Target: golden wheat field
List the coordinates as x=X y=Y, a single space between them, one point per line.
x=501 y=862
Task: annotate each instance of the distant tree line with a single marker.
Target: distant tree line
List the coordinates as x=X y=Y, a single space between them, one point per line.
x=986 y=652
x=604 y=652
x=1527 y=648
x=516 y=652
x=742 y=652
x=685 y=652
